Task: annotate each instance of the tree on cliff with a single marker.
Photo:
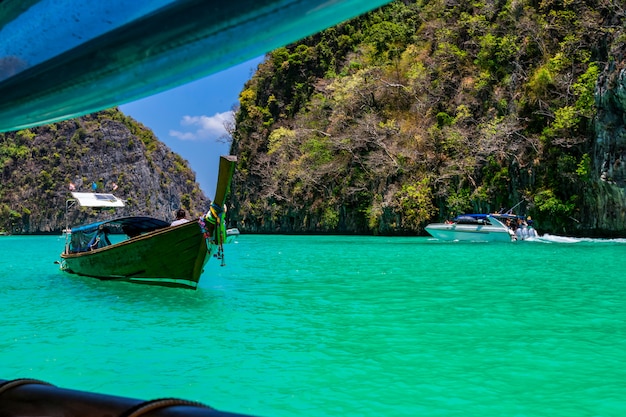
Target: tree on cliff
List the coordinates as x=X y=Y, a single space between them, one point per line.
x=423 y=109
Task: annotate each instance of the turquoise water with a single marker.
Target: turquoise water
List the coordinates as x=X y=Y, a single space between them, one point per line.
x=336 y=326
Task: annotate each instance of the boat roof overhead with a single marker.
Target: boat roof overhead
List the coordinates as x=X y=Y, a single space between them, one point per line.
x=64 y=59
x=97 y=200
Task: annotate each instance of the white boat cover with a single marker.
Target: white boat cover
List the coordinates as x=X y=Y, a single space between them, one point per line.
x=97 y=200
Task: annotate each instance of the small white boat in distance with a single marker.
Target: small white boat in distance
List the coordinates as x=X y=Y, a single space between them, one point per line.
x=232 y=235
x=476 y=228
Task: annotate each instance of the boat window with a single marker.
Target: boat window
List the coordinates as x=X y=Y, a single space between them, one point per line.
x=80 y=241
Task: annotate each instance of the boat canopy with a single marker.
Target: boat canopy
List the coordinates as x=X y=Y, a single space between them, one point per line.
x=97 y=200
x=84 y=237
x=484 y=216
x=472 y=216
x=64 y=59
x=141 y=223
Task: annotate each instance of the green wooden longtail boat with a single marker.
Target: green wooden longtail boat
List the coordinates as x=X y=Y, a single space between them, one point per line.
x=153 y=252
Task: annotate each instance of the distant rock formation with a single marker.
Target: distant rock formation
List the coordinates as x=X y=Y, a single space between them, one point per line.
x=105 y=151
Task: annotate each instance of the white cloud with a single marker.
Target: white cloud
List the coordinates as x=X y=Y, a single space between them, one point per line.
x=204 y=127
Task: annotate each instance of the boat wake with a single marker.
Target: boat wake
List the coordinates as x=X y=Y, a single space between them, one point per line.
x=548 y=238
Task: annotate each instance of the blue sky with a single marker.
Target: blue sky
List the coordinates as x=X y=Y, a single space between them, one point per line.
x=190 y=119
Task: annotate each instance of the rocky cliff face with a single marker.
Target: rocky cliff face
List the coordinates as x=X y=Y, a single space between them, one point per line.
x=610 y=152
x=607 y=198
x=420 y=111
x=40 y=165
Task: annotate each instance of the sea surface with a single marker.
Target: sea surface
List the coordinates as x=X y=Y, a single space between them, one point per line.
x=335 y=326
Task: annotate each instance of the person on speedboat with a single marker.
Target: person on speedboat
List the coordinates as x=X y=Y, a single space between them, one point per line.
x=521 y=233
x=530 y=230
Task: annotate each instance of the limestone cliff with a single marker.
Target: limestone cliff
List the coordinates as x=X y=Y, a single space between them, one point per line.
x=607 y=198
x=108 y=149
x=422 y=110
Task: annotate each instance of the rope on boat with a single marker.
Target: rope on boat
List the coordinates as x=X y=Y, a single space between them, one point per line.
x=32 y=397
x=7 y=385
x=215 y=217
x=151 y=405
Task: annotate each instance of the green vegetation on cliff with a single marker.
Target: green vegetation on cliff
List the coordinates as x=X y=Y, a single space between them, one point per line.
x=424 y=109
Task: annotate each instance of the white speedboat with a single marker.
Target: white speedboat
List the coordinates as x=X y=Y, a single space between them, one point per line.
x=232 y=235
x=475 y=228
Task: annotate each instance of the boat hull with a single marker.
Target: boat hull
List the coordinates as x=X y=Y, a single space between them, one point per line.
x=171 y=257
x=469 y=232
